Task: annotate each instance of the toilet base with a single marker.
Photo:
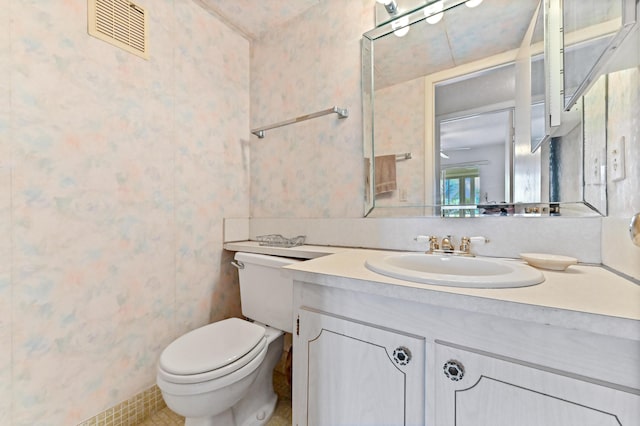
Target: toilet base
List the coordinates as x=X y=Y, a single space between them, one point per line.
x=258 y=417
x=261 y=415
x=222 y=419
x=257 y=407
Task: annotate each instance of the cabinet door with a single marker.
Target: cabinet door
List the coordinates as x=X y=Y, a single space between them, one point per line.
x=350 y=373
x=482 y=390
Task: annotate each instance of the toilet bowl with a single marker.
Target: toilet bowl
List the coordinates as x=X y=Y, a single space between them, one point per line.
x=221 y=374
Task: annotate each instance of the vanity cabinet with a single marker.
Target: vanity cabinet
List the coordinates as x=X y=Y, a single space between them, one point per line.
x=357 y=373
x=482 y=389
x=473 y=359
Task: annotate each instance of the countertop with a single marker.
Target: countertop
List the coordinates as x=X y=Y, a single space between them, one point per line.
x=588 y=298
x=298 y=252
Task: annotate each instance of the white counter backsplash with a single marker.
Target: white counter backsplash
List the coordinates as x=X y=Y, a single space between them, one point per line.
x=618 y=252
x=509 y=236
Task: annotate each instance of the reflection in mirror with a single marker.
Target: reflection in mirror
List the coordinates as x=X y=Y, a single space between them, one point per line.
x=475 y=131
x=438 y=92
x=432 y=58
x=561 y=158
x=547 y=93
x=595 y=145
x=474 y=163
x=367 y=112
x=592 y=30
x=537 y=72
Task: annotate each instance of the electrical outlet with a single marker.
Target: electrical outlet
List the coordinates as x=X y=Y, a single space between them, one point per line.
x=402 y=195
x=617 y=160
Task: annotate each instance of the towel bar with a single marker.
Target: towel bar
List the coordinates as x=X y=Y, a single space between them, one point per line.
x=342 y=113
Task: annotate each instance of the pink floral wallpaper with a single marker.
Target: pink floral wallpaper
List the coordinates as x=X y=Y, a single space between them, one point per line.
x=313 y=168
x=115 y=175
x=5 y=224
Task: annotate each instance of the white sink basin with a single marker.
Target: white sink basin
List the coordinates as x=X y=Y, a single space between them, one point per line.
x=456 y=271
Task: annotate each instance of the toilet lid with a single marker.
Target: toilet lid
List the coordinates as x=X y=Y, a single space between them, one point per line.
x=211 y=347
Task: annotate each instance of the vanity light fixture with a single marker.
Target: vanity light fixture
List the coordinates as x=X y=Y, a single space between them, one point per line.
x=434 y=13
x=473 y=3
x=401 y=26
x=390 y=5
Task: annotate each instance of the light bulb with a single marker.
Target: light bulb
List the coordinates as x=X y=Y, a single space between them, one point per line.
x=401 y=26
x=473 y=3
x=434 y=13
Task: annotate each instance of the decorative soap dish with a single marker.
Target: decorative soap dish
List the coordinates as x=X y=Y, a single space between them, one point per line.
x=277 y=240
x=549 y=261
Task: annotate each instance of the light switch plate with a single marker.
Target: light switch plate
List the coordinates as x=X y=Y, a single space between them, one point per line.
x=595 y=168
x=617 y=160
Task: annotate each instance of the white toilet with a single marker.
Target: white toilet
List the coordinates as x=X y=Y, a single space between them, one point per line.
x=221 y=374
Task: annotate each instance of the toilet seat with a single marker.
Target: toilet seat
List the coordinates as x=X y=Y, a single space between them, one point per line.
x=168 y=386
x=212 y=351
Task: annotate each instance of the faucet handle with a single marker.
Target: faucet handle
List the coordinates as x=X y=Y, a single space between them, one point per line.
x=432 y=240
x=465 y=244
x=433 y=243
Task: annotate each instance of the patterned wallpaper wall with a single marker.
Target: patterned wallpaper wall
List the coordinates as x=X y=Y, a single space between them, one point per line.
x=313 y=168
x=115 y=175
x=5 y=223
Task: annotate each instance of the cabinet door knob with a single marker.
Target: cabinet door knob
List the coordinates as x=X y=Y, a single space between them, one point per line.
x=402 y=355
x=454 y=370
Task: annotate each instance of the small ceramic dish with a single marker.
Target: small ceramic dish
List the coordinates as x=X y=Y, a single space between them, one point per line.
x=549 y=261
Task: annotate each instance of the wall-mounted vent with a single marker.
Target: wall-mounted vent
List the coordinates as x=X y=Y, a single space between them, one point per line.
x=121 y=23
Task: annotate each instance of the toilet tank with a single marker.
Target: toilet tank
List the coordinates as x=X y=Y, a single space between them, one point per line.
x=266 y=292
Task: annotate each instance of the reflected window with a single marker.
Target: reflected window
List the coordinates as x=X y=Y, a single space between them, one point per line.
x=459 y=187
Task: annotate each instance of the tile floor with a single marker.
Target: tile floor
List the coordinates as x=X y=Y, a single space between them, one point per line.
x=281 y=417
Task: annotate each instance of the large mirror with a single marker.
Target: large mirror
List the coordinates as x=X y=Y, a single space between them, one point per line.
x=451 y=113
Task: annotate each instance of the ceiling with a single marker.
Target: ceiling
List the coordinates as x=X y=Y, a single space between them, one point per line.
x=462 y=35
x=463 y=133
x=253 y=17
